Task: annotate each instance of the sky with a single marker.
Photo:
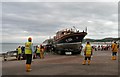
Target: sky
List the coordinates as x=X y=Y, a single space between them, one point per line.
x=41 y=20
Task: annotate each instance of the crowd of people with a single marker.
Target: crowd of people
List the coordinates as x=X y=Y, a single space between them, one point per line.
x=101 y=47
x=38 y=52
x=30 y=52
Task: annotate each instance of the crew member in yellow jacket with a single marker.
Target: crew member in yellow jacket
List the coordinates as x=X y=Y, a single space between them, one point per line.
x=87 y=52
x=114 y=50
x=28 y=52
x=19 y=54
x=38 y=51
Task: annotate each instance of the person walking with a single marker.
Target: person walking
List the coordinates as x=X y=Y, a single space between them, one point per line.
x=114 y=50
x=19 y=53
x=87 y=52
x=28 y=52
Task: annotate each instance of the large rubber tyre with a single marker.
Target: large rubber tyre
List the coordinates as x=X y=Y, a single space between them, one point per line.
x=60 y=52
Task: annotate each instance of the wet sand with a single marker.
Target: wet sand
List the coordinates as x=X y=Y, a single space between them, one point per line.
x=101 y=64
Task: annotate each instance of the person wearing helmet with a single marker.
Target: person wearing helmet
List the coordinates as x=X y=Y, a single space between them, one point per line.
x=28 y=52
x=87 y=52
x=114 y=50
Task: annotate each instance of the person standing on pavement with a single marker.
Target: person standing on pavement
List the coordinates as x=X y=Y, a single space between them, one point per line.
x=35 y=55
x=28 y=52
x=41 y=52
x=114 y=50
x=88 y=53
x=38 y=52
x=19 y=53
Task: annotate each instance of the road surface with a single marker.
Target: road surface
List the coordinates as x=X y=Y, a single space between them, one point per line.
x=101 y=64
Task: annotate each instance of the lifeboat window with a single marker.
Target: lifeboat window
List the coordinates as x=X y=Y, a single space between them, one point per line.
x=69 y=39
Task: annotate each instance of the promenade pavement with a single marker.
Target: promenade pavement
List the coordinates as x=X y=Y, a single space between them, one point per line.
x=101 y=64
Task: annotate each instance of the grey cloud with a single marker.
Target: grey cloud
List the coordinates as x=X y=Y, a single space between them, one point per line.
x=60 y=1
x=44 y=18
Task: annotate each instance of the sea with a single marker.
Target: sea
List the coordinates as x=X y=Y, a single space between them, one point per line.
x=5 y=47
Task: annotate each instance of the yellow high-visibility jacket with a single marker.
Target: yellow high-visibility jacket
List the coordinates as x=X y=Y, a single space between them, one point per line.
x=114 y=47
x=19 y=51
x=38 y=50
x=88 y=50
x=28 y=49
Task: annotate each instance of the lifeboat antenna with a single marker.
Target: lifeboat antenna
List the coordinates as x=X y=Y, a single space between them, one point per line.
x=74 y=28
x=86 y=29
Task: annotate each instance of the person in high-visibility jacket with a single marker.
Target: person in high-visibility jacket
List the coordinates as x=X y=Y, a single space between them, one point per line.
x=28 y=52
x=38 y=52
x=41 y=52
x=114 y=50
x=88 y=53
x=19 y=53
